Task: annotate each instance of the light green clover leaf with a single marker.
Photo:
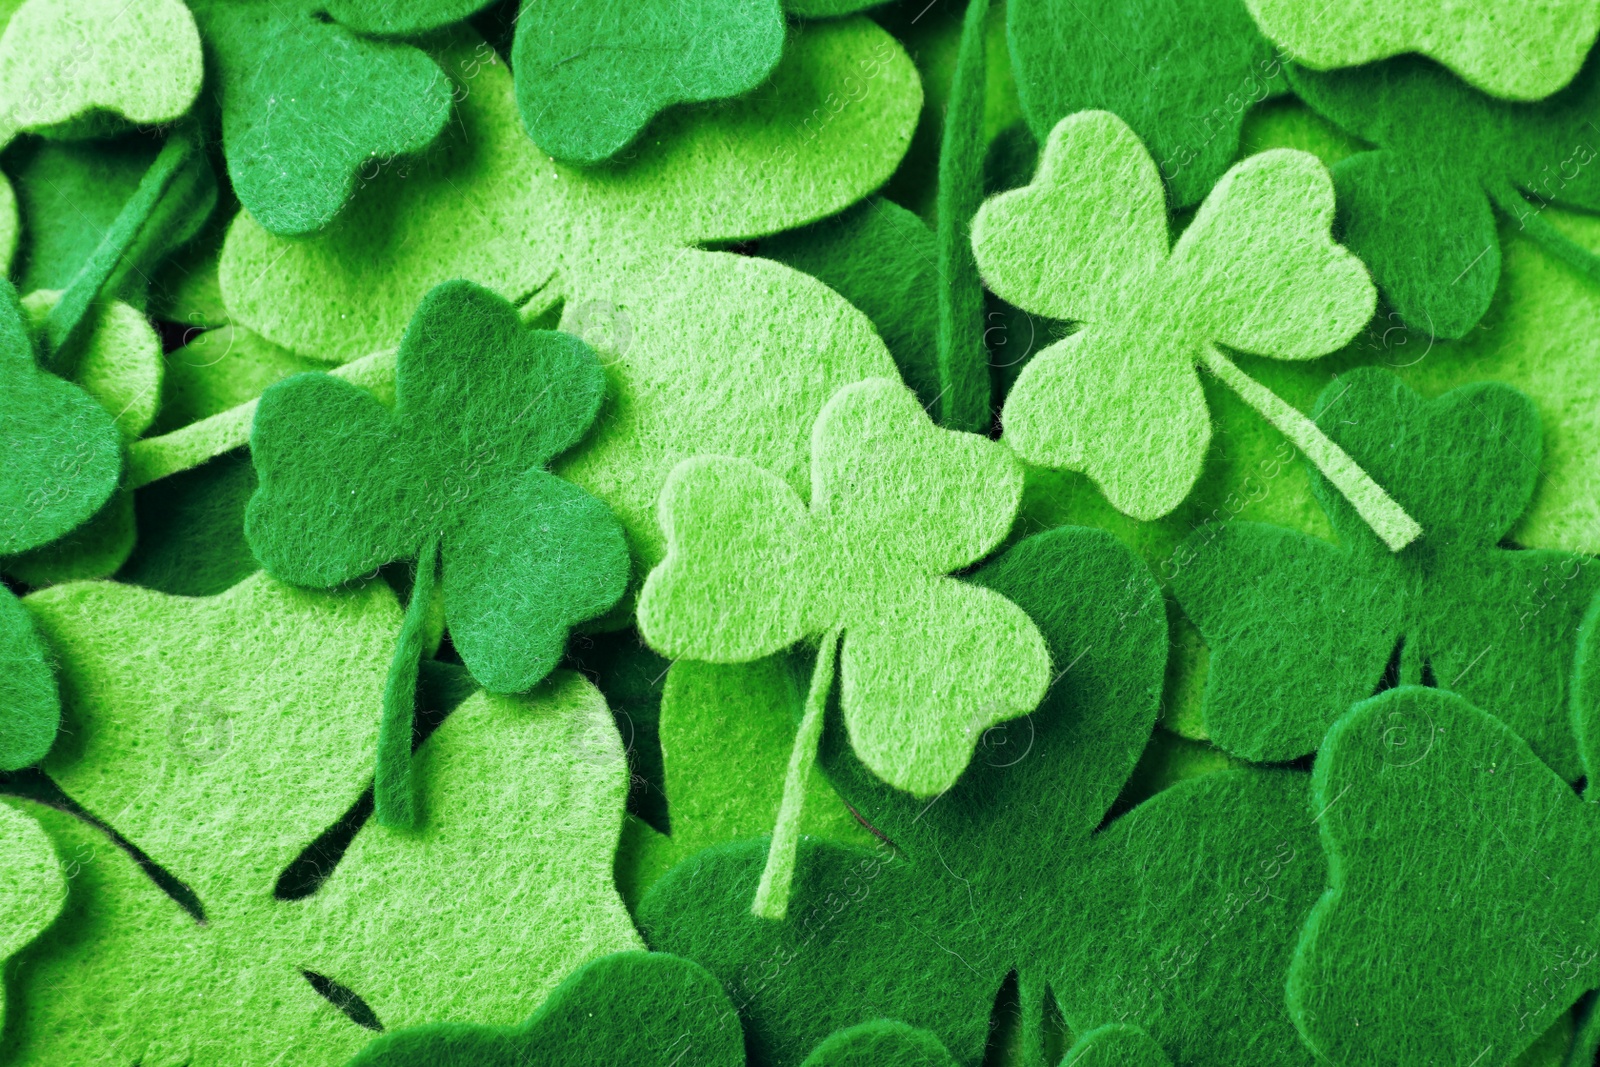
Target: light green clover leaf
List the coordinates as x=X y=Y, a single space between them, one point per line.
x=1257 y=270
x=927 y=663
x=32 y=888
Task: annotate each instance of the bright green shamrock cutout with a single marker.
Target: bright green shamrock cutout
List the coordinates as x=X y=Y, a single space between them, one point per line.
x=591 y=75
x=1182 y=73
x=1507 y=48
x=32 y=888
x=454 y=476
x=308 y=105
x=1417 y=208
x=60 y=452
x=31 y=708
x=69 y=66
x=1460 y=918
x=1299 y=628
x=1256 y=270
x=228 y=739
x=928 y=663
x=643 y=1009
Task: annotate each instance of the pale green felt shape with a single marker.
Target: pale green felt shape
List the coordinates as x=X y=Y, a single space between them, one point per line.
x=1257 y=271
x=32 y=888
x=704 y=352
x=10 y=224
x=1516 y=49
x=928 y=663
x=221 y=369
x=71 y=63
x=222 y=736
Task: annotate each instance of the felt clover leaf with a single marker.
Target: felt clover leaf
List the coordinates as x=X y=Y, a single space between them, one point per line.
x=1116 y=1046
x=928 y=663
x=643 y=1008
x=590 y=76
x=1256 y=270
x=881 y=1043
x=1180 y=912
x=27 y=689
x=1516 y=51
x=67 y=66
x=1419 y=214
x=1182 y=73
x=32 y=888
x=1299 y=628
x=225 y=740
x=306 y=103
x=1459 y=920
x=455 y=477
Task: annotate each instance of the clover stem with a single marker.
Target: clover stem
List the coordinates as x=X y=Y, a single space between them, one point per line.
x=394 y=799
x=1030 y=1002
x=1586 y=1038
x=1530 y=219
x=1386 y=517
x=66 y=318
x=772 y=895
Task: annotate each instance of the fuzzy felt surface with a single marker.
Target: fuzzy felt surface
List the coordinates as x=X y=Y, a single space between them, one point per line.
x=590 y=77
x=32 y=888
x=1182 y=73
x=27 y=689
x=308 y=106
x=219 y=369
x=647 y=1009
x=1520 y=51
x=927 y=664
x=881 y=1043
x=1116 y=1045
x=71 y=65
x=482 y=405
x=1436 y=816
x=1184 y=909
x=1299 y=628
x=1417 y=207
x=522 y=801
x=1087 y=240
x=191 y=529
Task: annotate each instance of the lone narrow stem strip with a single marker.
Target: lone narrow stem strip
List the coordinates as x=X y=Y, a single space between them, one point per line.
x=1387 y=518
x=1530 y=218
x=772 y=895
x=394 y=799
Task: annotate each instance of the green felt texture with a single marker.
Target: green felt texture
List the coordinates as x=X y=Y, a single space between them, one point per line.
x=927 y=664
x=1257 y=270
x=632 y=678
x=401 y=18
x=963 y=359
x=70 y=65
x=306 y=104
x=1436 y=817
x=482 y=405
x=884 y=260
x=60 y=451
x=1182 y=73
x=1116 y=1045
x=1416 y=208
x=27 y=692
x=1182 y=912
x=220 y=369
x=191 y=529
x=32 y=888
x=394 y=797
x=644 y=1009
x=590 y=77
x=1299 y=627
x=881 y=1043
x=827 y=9
x=1516 y=51
x=263 y=698
x=1586 y=692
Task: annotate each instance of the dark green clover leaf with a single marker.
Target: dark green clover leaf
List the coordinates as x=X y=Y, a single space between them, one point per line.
x=1416 y=209
x=454 y=472
x=1180 y=913
x=30 y=707
x=1182 y=73
x=1299 y=628
x=308 y=102
x=590 y=76
x=1462 y=914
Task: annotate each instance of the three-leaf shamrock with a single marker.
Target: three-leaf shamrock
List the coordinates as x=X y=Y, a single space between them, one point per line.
x=1256 y=270
x=1299 y=628
x=927 y=663
x=454 y=476
x=1511 y=50
x=1416 y=208
x=1460 y=919
x=1178 y=913
x=245 y=909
